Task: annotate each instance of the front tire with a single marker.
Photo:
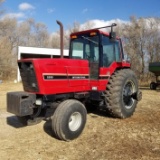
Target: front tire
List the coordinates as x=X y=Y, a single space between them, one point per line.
x=69 y=120
x=120 y=91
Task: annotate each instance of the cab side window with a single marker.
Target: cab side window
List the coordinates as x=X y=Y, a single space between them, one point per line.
x=77 y=52
x=111 y=51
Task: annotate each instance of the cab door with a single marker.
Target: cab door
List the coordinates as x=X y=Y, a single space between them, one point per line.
x=92 y=55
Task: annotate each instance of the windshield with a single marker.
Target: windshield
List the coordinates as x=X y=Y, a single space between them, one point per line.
x=85 y=47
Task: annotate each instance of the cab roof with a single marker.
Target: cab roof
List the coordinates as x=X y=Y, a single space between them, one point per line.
x=92 y=30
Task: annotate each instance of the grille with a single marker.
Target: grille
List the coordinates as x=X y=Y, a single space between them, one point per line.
x=28 y=76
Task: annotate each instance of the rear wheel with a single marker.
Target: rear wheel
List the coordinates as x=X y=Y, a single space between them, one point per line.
x=120 y=93
x=69 y=120
x=153 y=86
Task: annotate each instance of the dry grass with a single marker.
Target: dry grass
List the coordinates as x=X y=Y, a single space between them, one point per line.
x=104 y=138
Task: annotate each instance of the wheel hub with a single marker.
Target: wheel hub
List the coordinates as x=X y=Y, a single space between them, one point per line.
x=75 y=121
x=128 y=91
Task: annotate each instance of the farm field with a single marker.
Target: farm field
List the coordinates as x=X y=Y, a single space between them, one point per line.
x=104 y=138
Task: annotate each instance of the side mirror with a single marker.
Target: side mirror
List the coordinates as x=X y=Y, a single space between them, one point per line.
x=112 y=36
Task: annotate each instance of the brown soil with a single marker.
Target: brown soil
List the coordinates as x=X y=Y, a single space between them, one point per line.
x=103 y=138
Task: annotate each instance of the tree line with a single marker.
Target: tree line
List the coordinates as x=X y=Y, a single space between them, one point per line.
x=141 y=39
x=142 y=43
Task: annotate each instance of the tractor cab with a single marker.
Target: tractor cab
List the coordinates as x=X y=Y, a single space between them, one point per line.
x=101 y=49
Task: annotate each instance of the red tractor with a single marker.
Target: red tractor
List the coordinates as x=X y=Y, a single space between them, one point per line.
x=95 y=73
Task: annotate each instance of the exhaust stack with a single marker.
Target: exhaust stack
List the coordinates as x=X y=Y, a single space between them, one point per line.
x=61 y=37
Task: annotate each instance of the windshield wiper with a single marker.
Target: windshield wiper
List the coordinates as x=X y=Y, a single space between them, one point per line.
x=90 y=40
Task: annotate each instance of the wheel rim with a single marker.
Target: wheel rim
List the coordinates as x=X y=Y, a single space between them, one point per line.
x=128 y=91
x=75 y=121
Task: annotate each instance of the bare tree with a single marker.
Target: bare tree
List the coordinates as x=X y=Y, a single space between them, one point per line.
x=12 y=34
x=75 y=27
x=55 y=40
x=33 y=34
x=134 y=35
x=142 y=43
x=152 y=40
x=41 y=35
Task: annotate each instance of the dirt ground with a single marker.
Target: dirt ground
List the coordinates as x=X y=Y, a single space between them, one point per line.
x=103 y=138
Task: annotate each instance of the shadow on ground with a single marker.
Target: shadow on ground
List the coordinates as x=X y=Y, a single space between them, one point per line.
x=48 y=128
x=148 y=89
x=14 y=122
x=94 y=113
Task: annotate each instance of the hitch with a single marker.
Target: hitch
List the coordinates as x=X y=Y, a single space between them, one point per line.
x=137 y=95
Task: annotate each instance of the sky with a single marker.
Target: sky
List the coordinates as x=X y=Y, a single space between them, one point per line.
x=70 y=11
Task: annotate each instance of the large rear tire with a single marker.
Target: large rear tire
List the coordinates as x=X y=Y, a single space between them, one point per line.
x=69 y=120
x=120 y=91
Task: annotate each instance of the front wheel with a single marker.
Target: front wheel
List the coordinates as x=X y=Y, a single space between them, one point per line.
x=69 y=120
